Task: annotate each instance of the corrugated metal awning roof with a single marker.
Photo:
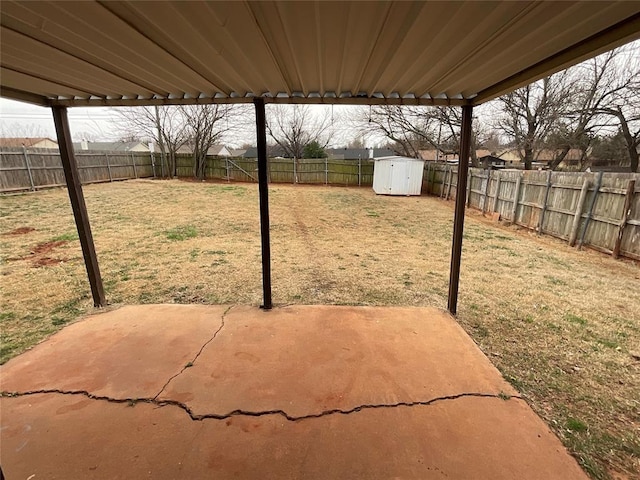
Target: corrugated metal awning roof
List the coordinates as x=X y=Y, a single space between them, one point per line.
x=445 y=53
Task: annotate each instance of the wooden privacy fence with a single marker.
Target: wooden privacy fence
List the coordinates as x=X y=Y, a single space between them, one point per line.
x=594 y=209
x=601 y=210
x=283 y=170
x=32 y=169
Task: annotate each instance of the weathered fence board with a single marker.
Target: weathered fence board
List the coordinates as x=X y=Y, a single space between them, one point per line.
x=23 y=169
x=565 y=198
x=570 y=206
x=283 y=170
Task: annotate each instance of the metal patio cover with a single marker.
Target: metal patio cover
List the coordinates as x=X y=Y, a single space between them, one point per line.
x=444 y=53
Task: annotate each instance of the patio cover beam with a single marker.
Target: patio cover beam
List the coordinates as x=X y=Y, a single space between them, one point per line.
x=80 y=214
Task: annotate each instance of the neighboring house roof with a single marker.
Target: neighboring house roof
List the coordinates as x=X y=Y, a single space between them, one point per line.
x=550 y=155
x=432 y=155
x=272 y=151
x=111 y=146
x=219 y=151
x=38 y=142
x=237 y=152
x=214 y=150
x=510 y=155
x=545 y=155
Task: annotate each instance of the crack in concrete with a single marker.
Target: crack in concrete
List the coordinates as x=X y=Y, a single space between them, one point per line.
x=192 y=362
x=248 y=413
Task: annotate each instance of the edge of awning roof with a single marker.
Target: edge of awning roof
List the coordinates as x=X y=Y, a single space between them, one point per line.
x=313 y=98
x=615 y=36
x=612 y=37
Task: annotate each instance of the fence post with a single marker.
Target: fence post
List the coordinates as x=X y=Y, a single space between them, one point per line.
x=449 y=184
x=485 y=195
x=133 y=159
x=495 y=197
x=578 y=215
x=153 y=164
x=226 y=161
x=516 y=198
x=428 y=177
x=326 y=170
x=295 y=174
x=108 y=167
x=590 y=211
x=444 y=181
x=631 y=186
x=544 y=203
x=359 y=171
x=32 y=187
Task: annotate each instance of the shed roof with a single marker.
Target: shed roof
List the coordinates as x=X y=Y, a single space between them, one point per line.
x=445 y=53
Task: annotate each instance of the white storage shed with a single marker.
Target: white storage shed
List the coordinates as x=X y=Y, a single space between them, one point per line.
x=397 y=176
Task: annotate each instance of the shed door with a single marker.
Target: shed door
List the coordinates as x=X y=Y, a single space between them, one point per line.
x=398 y=180
x=389 y=185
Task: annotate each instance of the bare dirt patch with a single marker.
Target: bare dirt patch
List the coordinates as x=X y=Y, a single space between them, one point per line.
x=20 y=231
x=560 y=324
x=46 y=261
x=46 y=247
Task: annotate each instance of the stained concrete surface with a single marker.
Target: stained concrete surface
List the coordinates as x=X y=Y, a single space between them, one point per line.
x=170 y=391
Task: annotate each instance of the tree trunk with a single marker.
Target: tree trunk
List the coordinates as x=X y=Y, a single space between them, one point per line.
x=631 y=142
x=528 y=158
x=558 y=160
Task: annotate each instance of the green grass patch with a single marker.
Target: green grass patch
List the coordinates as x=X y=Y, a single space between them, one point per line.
x=555 y=280
x=7 y=316
x=180 y=233
x=66 y=237
x=575 y=319
x=576 y=425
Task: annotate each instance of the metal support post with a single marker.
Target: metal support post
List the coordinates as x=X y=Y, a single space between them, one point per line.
x=78 y=205
x=458 y=220
x=264 y=201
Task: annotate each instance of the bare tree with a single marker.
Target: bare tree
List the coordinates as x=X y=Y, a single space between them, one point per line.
x=206 y=125
x=19 y=130
x=621 y=101
x=531 y=113
x=599 y=84
x=294 y=127
x=411 y=129
x=166 y=126
x=417 y=128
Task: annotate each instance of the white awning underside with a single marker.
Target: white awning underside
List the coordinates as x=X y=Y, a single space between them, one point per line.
x=442 y=53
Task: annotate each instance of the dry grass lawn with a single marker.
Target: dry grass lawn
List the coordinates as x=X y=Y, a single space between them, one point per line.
x=562 y=326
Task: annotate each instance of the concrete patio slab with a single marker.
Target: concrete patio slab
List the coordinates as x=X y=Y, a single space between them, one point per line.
x=305 y=360
x=126 y=353
x=297 y=392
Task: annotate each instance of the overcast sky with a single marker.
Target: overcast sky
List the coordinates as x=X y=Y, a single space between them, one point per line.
x=19 y=119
